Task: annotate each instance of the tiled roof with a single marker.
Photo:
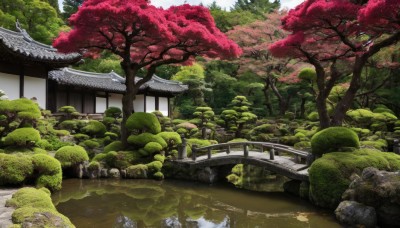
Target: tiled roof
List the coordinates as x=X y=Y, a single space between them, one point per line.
x=112 y=82
x=21 y=45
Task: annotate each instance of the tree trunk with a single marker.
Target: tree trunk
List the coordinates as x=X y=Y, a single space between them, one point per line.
x=127 y=102
x=283 y=103
x=344 y=105
x=303 y=107
x=268 y=104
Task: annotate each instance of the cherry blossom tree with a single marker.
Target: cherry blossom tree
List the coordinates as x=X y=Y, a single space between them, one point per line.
x=328 y=34
x=144 y=37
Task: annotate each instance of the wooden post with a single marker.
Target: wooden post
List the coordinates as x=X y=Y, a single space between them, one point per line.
x=310 y=159
x=262 y=148
x=246 y=150
x=297 y=158
x=209 y=153
x=228 y=150
x=272 y=154
x=194 y=148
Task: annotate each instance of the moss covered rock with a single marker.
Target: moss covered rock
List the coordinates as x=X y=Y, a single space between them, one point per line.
x=48 y=170
x=333 y=139
x=141 y=121
x=137 y=171
x=152 y=147
x=28 y=202
x=114 y=112
x=330 y=175
x=71 y=155
x=95 y=128
x=22 y=137
x=144 y=138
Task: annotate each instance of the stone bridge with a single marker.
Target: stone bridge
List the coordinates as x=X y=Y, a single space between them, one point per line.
x=280 y=159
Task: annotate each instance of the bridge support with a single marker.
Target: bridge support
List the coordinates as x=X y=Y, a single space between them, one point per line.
x=194 y=148
x=246 y=150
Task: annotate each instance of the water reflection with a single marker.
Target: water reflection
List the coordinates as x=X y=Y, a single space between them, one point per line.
x=146 y=203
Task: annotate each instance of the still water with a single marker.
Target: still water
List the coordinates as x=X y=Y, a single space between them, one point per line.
x=147 y=203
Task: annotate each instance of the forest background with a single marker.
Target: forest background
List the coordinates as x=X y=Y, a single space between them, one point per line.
x=274 y=86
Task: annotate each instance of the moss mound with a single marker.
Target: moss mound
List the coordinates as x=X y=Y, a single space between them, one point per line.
x=71 y=155
x=330 y=175
x=14 y=169
x=114 y=146
x=22 y=137
x=48 y=170
x=114 y=112
x=95 y=128
x=142 y=139
x=333 y=139
x=28 y=201
x=141 y=121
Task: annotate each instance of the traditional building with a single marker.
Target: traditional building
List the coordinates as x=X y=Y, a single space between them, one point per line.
x=32 y=69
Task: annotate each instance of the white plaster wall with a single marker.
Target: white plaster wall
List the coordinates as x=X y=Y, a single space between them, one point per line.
x=163 y=105
x=35 y=87
x=9 y=83
x=138 y=103
x=101 y=104
x=115 y=100
x=150 y=104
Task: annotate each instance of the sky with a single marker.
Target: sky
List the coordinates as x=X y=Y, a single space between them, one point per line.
x=289 y=4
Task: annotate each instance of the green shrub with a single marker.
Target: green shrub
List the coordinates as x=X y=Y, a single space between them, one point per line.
x=154 y=166
x=44 y=144
x=69 y=125
x=91 y=144
x=121 y=159
x=158 y=176
x=95 y=128
x=22 y=137
x=22 y=108
x=302 y=145
x=81 y=137
x=28 y=201
x=330 y=175
x=144 y=138
x=94 y=165
x=49 y=171
x=61 y=132
x=313 y=116
x=379 y=144
x=71 y=155
x=112 y=135
x=113 y=112
x=99 y=157
x=172 y=138
x=237 y=140
x=159 y=157
x=114 y=146
x=15 y=168
x=108 y=121
x=152 y=147
x=137 y=171
x=67 y=109
x=141 y=121
x=383 y=109
x=332 y=139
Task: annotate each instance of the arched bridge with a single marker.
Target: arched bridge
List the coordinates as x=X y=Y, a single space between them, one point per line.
x=281 y=159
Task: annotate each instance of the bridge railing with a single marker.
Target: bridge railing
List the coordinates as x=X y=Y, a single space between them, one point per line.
x=272 y=148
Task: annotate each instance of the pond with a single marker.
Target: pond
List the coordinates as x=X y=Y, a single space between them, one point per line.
x=147 y=203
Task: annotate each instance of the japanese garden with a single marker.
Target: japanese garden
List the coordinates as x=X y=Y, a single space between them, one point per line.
x=242 y=113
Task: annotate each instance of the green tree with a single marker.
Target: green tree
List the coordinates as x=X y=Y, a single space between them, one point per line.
x=70 y=7
x=257 y=7
x=38 y=17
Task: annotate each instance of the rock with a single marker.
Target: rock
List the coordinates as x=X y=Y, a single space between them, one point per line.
x=114 y=173
x=356 y=214
x=94 y=174
x=208 y=175
x=45 y=219
x=123 y=173
x=137 y=171
x=78 y=171
x=380 y=190
x=103 y=173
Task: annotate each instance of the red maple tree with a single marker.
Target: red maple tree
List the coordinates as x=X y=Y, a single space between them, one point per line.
x=145 y=37
x=328 y=34
x=254 y=39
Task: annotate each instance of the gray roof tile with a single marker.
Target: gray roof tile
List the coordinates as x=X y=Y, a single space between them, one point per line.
x=112 y=82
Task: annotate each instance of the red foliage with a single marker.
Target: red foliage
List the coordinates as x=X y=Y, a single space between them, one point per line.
x=147 y=34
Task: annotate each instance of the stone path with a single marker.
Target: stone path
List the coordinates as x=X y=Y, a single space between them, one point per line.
x=6 y=212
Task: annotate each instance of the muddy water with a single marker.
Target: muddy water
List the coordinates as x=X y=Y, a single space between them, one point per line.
x=147 y=203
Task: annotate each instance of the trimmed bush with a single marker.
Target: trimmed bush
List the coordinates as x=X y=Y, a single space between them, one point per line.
x=313 y=116
x=22 y=137
x=91 y=144
x=153 y=147
x=158 y=176
x=379 y=144
x=114 y=146
x=81 y=137
x=95 y=128
x=44 y=144
x=333 y=139
x=172 y=138
x=330 y=175
x=141 y=121
x=67 y=109
x=14 y=168
x=154 y=166
x=112 y=135
x=28 y=201
x=144 y=138
x=71 y=155
x=69 y=125
x=159 y=157
x=49 y=171
x=114 y=112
